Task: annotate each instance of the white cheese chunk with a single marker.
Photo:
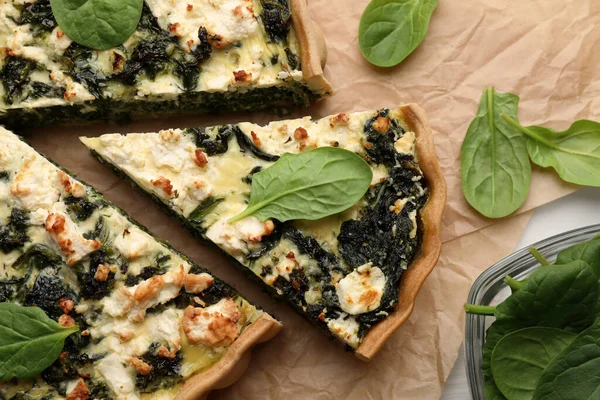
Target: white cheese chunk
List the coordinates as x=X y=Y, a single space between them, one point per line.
x=158 y=289
x=345 y=329
x=313 y=295
x=58 y=41
x=188 y=198
x=66 y=235
x=167 y=158
x=132 y=242
x=118 y=303
x=119 y=150
x=216 y=325
x=36 y=184
x=165 y=328
x=413 y=217
x=38 y=217
x=232 y=20
x=361 y=290
x=283 y=269
x=118 y=378
x=406 y=144
x=238 y=238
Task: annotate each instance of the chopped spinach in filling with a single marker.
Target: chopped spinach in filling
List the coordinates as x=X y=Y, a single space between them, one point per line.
x=39 y=16
x=15 y=76
x=276 y=19
x=13 y=235
x=165 y=373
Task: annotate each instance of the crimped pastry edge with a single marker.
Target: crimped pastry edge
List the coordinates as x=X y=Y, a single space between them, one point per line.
x=230 y=368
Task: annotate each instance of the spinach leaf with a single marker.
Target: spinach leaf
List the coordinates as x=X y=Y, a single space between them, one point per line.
x=558 y=296
x=587 y=251
x=495 y=333
x=574 y=153
x=309 y=185
x=520 y=357
x=390 y=30
x=208 y=205
x=29 y=341
x=98 y=24
x=495 y=168
x=573 y=374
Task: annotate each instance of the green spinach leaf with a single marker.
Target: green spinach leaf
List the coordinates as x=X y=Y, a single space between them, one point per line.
x=520 y=357
x=573 y=374
x=98 y=24
x=309 y=185
x=205 y=208
x=495 y=168
x=557 y=296
x=390 y=30
x=29 y=341
x=494 y=334
x=574 y=153
x=588 y=252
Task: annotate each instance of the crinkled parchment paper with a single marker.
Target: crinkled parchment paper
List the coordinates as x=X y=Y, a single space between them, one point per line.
x=541 y=50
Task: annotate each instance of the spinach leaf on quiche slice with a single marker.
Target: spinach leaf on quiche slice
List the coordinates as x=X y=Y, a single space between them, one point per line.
x=339 y=268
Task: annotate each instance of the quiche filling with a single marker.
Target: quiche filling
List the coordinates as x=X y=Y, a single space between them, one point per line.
x=148 y=318
x=184 y=55
x=343 y=271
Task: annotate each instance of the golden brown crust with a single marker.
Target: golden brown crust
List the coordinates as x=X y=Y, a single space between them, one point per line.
x=313 y=51
x=431 y=247
x=233 y=364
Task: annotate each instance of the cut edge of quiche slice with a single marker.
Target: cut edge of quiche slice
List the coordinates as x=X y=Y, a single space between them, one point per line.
x=354 y=274
x=152 y=322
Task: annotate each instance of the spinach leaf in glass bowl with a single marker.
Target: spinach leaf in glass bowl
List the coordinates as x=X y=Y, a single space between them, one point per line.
x=491 y=289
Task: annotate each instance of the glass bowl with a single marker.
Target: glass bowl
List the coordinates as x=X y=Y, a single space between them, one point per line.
x=490 y=289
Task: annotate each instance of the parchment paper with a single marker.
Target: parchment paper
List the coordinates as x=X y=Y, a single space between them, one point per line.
x=541 y=50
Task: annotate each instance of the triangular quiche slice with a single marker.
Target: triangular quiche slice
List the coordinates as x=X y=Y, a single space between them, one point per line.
x=152 y=324
x=342 y=272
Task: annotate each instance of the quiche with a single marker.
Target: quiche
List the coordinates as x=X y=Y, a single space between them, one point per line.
x=342 y=272
x=186 y=55
x=153 y=325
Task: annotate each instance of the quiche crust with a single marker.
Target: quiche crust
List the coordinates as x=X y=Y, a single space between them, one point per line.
x=231 y=367
x=313 y=49
x=431 y=245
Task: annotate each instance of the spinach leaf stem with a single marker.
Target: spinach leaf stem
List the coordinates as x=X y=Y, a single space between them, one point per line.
x=538 y=256
x=480 y=310
x=513 y=283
